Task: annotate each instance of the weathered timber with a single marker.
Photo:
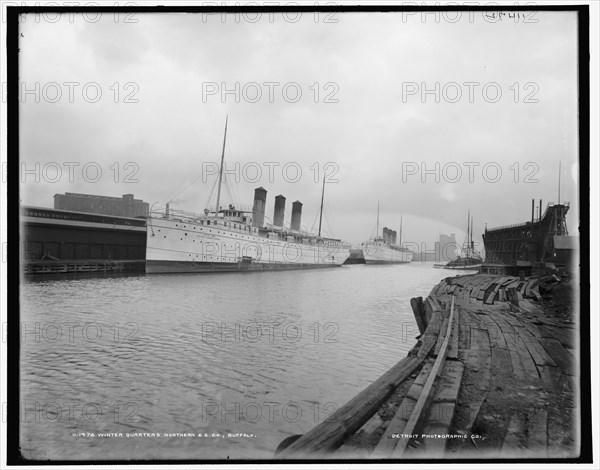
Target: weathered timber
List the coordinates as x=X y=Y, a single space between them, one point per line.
x=441 y=411
x=330 y=434
x=388 y=443
x=561 y=356
x=417 y=416
x=418 y=309
x=509 y=375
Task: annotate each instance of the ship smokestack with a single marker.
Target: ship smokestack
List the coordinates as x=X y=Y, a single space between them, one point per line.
x=532 y=210
x=258 y=209
x=279 y=211
x=385 y=235
x=296 y=215
x=393 y=237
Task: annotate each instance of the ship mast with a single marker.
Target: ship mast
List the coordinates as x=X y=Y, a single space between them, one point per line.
x=472 y=246
x=377 y=230
x=468 y=229
x=321 y=212
x=221 y=170
x=400 y=241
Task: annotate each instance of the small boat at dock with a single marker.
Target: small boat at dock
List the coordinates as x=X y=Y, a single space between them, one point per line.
x=469 y=258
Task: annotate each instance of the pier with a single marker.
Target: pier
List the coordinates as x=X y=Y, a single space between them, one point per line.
x=494 y=374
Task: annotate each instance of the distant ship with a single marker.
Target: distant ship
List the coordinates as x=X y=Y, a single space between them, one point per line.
x=469 y=258
x=384 y=250
x=230 y=239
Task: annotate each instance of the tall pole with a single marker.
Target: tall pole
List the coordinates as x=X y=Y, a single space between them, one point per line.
x=400 y=242
x=221 y=170
x=321 y=213
x=559 y=168
x=472 y=246
x=377 y=231
x=468 y=228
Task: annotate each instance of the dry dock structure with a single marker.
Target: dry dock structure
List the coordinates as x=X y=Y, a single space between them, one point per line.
x=494 y=375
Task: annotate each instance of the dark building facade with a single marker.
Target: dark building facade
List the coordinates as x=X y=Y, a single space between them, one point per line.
x=53 y=236
x=126 y=206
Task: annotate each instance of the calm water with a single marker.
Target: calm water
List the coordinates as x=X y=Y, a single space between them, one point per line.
x=264 y=355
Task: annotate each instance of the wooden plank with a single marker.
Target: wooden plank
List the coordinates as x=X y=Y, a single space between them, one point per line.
x=416 y=303
x=522 y=363
x=511 y=294
x=418 y=414
x=441 y=337
x=388 y=443
x=490 y=298
x=429 y=339
x=453 y=346
x=477 y=370
x=561 y=356
x=539 y=355
x=528 y=289
x=516 y=435
x=564 y=335
x=442 y=410
x=331 y=433
x=537 y=432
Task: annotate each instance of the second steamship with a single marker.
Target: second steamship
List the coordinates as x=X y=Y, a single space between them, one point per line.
x=231 y=239
x=384 y=249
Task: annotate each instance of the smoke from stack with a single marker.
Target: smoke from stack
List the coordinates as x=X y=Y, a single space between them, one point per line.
x=279 y=211
x=296 y=215
x=258 y=208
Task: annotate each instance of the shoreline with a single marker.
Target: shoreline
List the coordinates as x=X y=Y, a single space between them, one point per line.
x=504 y=383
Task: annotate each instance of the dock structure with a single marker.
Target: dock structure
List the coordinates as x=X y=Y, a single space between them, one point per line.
x=494 y=374
x=62 y=241
x=534 y=241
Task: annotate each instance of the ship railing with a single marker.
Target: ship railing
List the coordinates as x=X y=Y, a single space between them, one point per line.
x=236 y=207
x=176 y=214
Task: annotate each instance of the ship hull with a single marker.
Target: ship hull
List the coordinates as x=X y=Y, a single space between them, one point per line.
x=473 y=267
x=383 y=254
x=187 y=246
x=377 y=261
x=165 y=267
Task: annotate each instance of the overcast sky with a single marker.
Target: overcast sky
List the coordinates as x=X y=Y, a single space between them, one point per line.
x=160 y=118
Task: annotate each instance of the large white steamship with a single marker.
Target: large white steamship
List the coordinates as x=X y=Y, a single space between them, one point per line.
x=231 y=239
x=384 y=249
